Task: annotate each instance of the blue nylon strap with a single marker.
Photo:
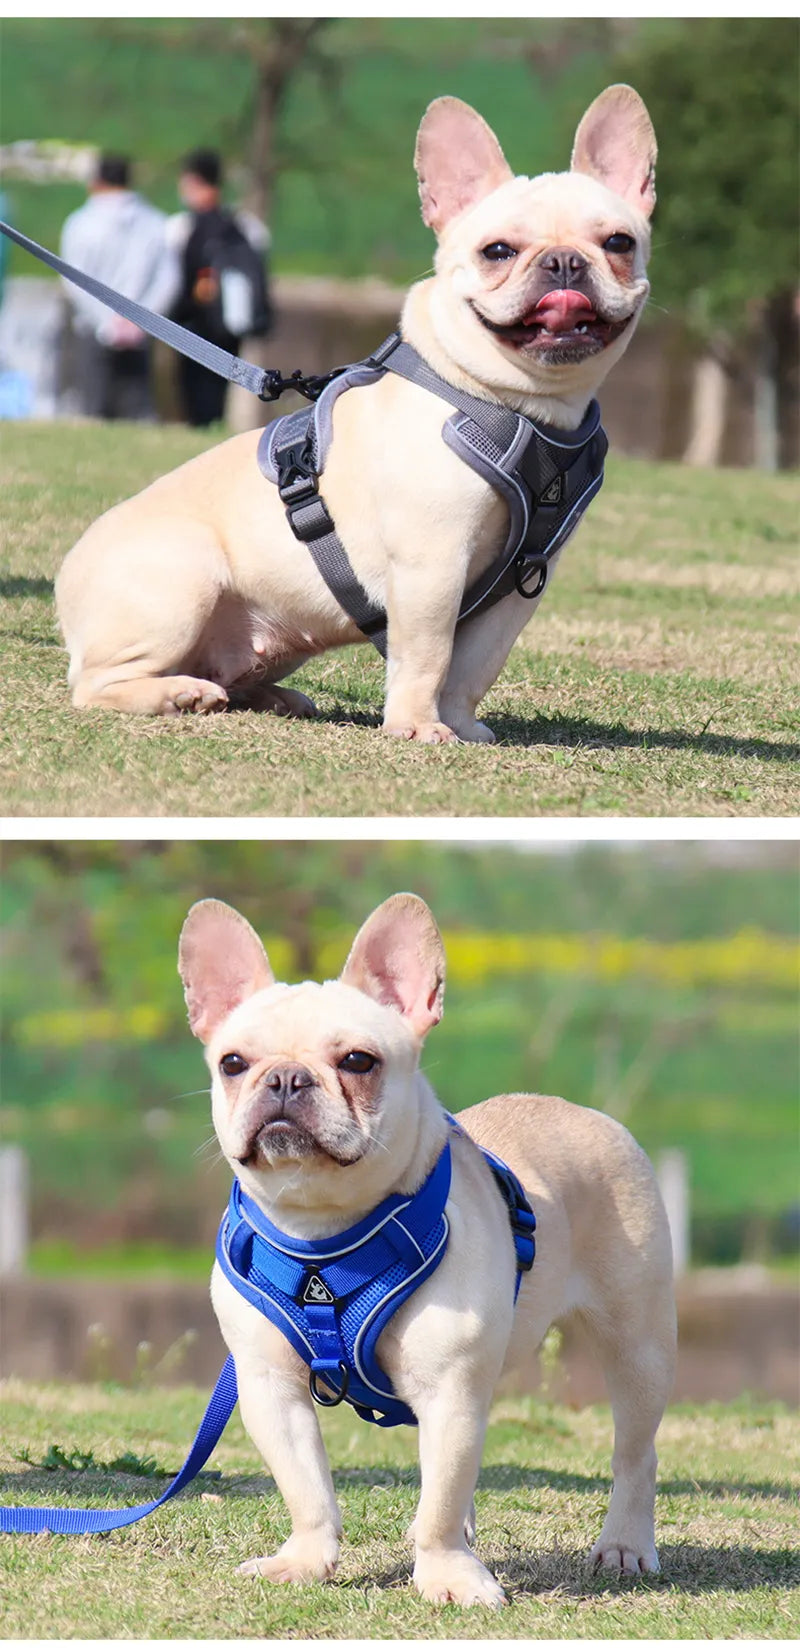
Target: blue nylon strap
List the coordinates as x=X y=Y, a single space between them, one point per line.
x=77 y=1521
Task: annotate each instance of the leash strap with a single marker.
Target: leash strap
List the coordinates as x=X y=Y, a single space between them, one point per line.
x=201 y=350
x=75 y=1522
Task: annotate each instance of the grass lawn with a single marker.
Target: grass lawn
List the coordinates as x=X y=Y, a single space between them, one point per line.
x=726 y=1527
x=655 y=680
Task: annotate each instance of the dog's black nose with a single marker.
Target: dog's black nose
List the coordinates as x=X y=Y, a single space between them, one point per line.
x=566 y=264
x=285 y=1082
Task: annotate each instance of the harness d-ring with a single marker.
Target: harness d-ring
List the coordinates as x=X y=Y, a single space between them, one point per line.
x=338 y=1394
x=523 y=567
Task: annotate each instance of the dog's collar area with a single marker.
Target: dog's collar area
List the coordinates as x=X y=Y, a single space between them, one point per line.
x=332 y=1297
x=547 y=477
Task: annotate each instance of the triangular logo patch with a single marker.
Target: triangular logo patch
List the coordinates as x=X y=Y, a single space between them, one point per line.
x=316 y=1290
x=552 y=494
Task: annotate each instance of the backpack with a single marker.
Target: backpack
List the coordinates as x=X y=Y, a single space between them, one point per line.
x=226 y=294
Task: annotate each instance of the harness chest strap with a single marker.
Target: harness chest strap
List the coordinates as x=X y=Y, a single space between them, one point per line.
x=547 y=477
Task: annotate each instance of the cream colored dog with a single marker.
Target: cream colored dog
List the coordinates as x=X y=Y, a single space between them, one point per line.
x=196 y=591
x=335 y=1146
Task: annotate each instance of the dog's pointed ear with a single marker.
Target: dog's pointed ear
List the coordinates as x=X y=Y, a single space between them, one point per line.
x=458 y=161
x=221 y=963
x=615 y=143
x=397 y=958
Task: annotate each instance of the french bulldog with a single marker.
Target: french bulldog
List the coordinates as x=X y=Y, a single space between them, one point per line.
x=321 y=1111
x=195 y=593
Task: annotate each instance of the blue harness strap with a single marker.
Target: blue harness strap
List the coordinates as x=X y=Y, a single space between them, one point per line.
x=331 y=1298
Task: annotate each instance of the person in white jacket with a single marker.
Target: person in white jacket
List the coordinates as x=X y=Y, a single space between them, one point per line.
x=120 y=239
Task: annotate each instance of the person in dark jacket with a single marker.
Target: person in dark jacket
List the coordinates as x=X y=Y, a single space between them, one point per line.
x=224 y=295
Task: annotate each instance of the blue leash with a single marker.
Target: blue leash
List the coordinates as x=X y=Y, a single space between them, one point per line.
x=77 y=1521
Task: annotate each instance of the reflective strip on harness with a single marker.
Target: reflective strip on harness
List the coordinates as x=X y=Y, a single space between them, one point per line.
x=546 y=476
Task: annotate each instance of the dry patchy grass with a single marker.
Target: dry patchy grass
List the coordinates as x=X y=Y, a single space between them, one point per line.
x=726 y=1518
x=657 y=679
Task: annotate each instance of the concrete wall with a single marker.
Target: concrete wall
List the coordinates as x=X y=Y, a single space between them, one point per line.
x=731 y=1340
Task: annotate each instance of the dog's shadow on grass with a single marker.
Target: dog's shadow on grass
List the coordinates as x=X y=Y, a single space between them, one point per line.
x=686 y=1569
x=572 y=732
x=17 y=585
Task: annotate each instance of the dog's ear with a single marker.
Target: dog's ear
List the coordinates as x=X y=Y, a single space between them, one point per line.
x=221 y=962
x=458 y=161
x=397 y=957
x=615 y=143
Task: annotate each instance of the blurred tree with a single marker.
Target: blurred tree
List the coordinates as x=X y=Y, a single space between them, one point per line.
x=723 y=96
x=277 y=50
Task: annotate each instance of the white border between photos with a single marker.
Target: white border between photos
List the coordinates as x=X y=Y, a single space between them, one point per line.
x=540 y=829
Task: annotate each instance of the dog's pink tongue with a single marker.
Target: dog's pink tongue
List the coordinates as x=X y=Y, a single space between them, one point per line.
x=561 y=310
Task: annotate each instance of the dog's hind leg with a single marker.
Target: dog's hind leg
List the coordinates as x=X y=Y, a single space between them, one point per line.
x=637 y=1352
x=134 y=624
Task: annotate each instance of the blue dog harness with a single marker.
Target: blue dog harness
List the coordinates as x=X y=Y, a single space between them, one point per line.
x=331 y=1298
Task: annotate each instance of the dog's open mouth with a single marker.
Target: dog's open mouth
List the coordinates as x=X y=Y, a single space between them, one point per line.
x=564 y=325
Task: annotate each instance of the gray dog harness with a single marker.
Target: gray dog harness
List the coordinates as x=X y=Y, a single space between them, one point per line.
x=546 y=476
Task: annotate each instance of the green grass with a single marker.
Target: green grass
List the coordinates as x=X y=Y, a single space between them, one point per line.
x=655 y=680
x=726 y=1527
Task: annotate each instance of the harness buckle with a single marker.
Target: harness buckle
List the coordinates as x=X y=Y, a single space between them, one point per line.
x=298 y=485
x=524 y=566
x=338 y=1393
x=295 y=467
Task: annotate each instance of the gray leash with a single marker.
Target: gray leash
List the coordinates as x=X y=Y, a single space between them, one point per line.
x=266 y=383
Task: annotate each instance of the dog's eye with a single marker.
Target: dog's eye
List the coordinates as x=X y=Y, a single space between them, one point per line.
x=231 y=1065
x=358 y=1061
x=619 y=242
x=497 y=251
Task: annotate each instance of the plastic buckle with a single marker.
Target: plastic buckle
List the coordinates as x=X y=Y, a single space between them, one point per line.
x=524 y=566
x=338 y=1394
x=297 y=478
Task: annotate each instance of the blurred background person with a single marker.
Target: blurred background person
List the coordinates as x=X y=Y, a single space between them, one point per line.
x=224 y=292
x=119 y=238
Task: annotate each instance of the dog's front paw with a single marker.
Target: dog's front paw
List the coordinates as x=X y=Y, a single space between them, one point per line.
x=428 y=734
x=301 y=1559
x=628 y=1557
x=454 y=1575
